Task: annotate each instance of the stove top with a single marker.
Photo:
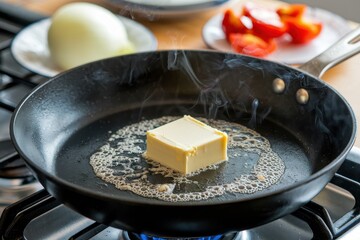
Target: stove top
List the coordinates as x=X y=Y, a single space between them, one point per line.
x=333 y=214
x=25 y=207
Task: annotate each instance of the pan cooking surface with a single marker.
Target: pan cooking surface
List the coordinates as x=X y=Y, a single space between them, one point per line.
x=72 y=160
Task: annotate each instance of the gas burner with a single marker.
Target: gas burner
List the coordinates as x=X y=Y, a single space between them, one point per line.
x=227 y=236
x=11 y=165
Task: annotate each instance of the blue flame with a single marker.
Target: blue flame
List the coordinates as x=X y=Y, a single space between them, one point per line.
x=146 y=237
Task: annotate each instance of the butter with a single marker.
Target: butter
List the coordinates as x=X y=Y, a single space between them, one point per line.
x=186 y=145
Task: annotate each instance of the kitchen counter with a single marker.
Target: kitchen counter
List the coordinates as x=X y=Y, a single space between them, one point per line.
x=185 y=33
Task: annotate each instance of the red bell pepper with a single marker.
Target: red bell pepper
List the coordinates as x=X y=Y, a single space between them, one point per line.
x=250 y=44
x=302 y=30
x=254 y=31
x=232 y=23
x=266 y=22
x=291 y=10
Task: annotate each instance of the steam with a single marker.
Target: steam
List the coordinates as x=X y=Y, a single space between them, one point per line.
x=255 y=105
x=135 y=11
x=212 y=95
x=215 y=97
x=227 y=85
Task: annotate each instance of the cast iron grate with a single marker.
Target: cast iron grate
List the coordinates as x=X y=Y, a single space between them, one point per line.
x=16 y=216
x=12 y=75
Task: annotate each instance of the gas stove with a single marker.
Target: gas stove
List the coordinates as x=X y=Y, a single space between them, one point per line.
x=29 y=212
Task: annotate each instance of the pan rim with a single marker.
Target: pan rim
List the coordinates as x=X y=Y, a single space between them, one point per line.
x=159 y=203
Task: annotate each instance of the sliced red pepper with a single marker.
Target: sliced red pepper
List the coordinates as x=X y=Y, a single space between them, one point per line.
x=252 y=45
x=232 y=23
x=291 y=10
x=248 y=6
x=266 y=22
x=302 y=30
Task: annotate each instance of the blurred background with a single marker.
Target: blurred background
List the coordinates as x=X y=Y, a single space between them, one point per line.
x=348 y=9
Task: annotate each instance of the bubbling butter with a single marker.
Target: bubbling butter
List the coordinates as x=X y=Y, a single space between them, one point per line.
x=120 y=161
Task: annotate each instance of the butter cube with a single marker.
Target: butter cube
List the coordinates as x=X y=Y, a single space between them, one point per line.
x=186 y=145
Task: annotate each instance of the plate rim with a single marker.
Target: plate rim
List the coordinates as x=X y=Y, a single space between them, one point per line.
x=171 y=8
x=166 y=12
x=47 y=72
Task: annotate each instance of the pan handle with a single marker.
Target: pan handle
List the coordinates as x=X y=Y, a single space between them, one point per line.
x=345 y=48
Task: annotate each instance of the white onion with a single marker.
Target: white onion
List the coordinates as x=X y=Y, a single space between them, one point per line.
x=83 y=32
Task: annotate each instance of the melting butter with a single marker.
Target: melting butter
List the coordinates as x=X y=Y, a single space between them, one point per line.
x=186 y=145
x=120 y=161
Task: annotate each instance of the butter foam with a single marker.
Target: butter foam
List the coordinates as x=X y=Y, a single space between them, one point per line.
x=120 y=161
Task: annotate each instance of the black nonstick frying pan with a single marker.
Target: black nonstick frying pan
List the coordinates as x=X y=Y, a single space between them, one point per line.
x=309 y=125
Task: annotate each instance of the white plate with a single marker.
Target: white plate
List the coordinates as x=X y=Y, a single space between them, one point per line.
x=334 y=27
x=166 y=9
x=30 y=48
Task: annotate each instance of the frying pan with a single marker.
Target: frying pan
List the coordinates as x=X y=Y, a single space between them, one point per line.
x=59 y=125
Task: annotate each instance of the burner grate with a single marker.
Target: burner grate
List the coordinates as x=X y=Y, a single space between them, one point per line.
x=352 y=217
x=15 y=82
x=17 y=216
x=319 y=218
